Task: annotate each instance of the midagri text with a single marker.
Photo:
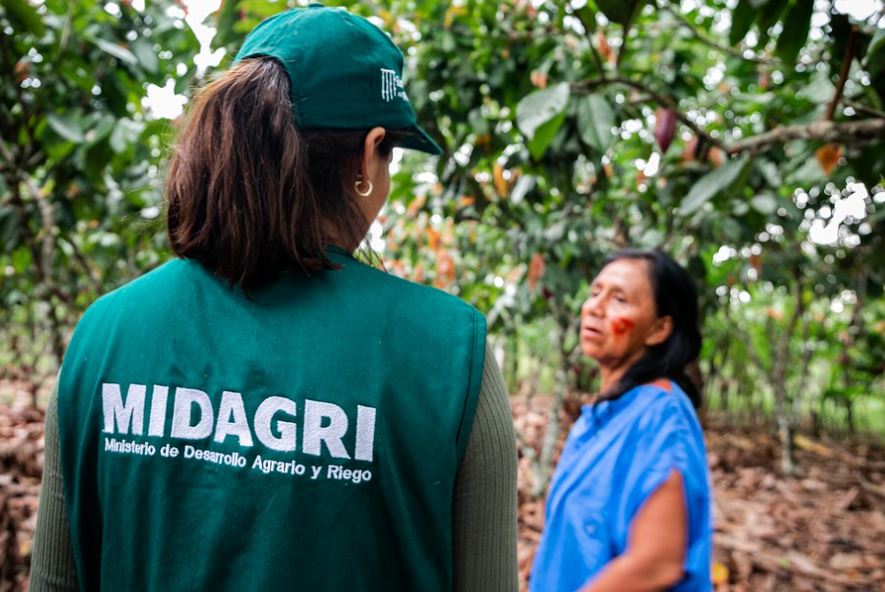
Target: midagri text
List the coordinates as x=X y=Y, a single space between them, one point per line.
x=274 y=423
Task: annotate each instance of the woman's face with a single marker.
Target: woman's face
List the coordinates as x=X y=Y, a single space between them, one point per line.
x=619 y=321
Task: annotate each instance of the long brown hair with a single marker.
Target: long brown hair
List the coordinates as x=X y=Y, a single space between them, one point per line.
x=250 y=196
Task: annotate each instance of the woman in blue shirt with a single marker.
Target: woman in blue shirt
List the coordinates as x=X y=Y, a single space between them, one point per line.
x=629 y=506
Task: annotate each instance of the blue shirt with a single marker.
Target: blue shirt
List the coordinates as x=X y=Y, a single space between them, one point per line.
x=617 y=454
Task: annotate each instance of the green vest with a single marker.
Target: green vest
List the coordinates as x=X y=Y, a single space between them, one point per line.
x=303 y=437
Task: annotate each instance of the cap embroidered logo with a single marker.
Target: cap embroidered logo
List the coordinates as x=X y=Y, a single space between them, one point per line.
x=392 y=86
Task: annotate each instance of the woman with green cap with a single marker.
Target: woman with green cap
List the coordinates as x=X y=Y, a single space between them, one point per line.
x=265 y=412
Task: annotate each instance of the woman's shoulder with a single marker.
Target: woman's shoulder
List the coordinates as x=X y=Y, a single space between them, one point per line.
x=406 y=292
x=663 y=394
x=660 y=393
x=662 y=405
x=145 y=288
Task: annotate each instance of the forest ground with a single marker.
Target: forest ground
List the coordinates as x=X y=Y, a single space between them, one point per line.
x=821 y=529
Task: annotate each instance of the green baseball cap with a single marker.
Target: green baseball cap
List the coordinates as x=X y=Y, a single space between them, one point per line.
x=344 y=72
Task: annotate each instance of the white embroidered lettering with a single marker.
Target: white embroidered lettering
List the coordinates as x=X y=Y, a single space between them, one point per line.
x=232 y=419
x=169 y=451
x=387 y=77
x=316 y=433
x=263 y=418
x=392 y=86
x=157 y=424
x=129 y=417
x=185 y=399
x=129 y=447
x=197 y=416
x=339 y=473
x=267 y=466
x=365 y=433
x=233 y=460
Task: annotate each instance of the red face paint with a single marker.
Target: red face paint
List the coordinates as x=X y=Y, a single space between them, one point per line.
x=620 y=326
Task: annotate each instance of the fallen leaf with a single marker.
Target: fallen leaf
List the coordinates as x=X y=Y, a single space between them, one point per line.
x=719 y=573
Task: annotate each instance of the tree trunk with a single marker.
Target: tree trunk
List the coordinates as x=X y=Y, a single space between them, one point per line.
x=849 y=415
x=551 y=435
x=785 y=432
x=783 y=413
x=782 y=399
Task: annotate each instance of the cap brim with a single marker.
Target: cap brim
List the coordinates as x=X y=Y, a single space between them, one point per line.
x=417 y=139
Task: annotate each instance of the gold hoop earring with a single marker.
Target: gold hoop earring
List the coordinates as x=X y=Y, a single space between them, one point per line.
x=367 y=192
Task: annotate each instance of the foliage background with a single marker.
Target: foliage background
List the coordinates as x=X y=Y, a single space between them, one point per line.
x=745 y=137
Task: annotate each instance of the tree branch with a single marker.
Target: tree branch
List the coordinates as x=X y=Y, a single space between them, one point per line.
x=846 y=132
x=713 y=45
x=6 y=153
x=861 y=108
x=41 y=244
x=843 y=73
x=597 y=59
x=90 y=272
x=623 y=48
x=661 y=99
x=827 y=131
x=588 y=32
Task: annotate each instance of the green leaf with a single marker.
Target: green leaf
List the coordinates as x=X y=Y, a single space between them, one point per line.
x=96 y=157
x=9 y=227
x=227 y=18
x=875 y=60
x=21 y=260
x=118 y=51
x=742 y=18
x=713 y=183
x=125 y=133
x=539 y=107
x=587 y=18
x=795 y=31
x=769 y=14
x=620 y=11
x=819 y=90
x=841 y=30
x=595 y=122
x=478 y=124
x=67 y=127
x=100 y=131
x=544 y=135
x=525 y=184
x=764 y=203
x=808 y=174
x=146 y=55
x=769 y=171
x=19 y=11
